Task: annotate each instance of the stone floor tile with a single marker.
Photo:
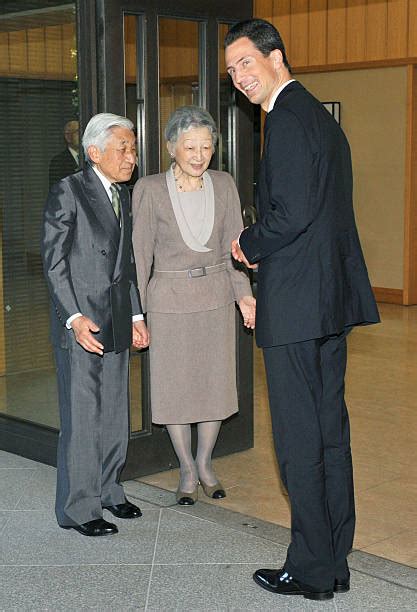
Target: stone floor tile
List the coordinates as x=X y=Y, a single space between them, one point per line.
x=370 y=593
x=93 y=587
x=8 y=460
x=34 y=538
x=182 y=538
x=13 y=483
x=219 y=588
x=383 y=569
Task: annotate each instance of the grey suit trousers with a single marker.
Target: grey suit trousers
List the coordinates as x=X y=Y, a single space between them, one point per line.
x=92 y=446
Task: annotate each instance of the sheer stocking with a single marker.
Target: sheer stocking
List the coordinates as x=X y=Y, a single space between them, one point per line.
x=181 y=441
x=207 y=437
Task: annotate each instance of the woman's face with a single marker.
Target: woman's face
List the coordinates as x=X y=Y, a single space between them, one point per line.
x=193 y=151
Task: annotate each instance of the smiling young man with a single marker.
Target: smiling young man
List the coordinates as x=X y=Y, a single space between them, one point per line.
x=95 y=317
x=313 y=287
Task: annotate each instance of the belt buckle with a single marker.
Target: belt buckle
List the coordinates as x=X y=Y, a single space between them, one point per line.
x=197 y=272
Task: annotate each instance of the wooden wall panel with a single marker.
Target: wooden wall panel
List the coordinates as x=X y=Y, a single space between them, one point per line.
x=53 y=37
x=130 y=48
x=412 y=28
x=410 y=213
x=397 y=19
x=264 y=9
x=336 y=31
x=376 y=30
x=282 y=21
x=317 y=33
x=4 y=53
x=68 y=46
x=36 y=51
x=355 y=31
x=18 y=52
x=299 y=32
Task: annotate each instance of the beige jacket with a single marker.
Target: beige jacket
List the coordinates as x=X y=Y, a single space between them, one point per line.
x=159 y=245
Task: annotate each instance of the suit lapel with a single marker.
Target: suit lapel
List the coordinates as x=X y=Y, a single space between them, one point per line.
x=99 y=203
x=125 y=222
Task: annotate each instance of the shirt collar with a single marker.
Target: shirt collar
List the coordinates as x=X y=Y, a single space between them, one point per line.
x=105 y=181
x=276 y=94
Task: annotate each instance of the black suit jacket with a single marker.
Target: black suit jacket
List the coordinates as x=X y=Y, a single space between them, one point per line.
x=61 y=166
x=88 y=260
x=312 y=278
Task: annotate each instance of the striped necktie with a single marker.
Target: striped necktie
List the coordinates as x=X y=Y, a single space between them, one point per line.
x=115 y=200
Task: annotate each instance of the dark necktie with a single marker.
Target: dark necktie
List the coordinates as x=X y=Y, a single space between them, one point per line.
x=115 y=200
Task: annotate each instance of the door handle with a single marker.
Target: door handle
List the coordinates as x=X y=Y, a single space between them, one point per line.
x=249 y=215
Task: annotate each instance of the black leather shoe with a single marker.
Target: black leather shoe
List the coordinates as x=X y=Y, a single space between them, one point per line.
x=97 y=527
x=341 y=586
x=125 y=511
x=279 y=581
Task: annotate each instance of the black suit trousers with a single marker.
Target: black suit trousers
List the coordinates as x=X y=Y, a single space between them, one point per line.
x=312 y=440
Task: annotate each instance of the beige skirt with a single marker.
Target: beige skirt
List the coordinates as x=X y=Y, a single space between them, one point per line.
x=193 y=366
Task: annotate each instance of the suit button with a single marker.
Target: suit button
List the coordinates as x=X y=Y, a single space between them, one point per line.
x=103 y=252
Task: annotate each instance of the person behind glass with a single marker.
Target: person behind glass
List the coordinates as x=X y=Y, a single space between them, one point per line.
x=96 y=315
x=313 y=287
x=183 y=221
x=68 y=161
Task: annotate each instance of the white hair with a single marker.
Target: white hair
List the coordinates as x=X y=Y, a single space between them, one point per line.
x=187 y=117
x=99 y=130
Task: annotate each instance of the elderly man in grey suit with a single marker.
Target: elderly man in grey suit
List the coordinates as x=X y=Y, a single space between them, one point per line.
x=96 y=316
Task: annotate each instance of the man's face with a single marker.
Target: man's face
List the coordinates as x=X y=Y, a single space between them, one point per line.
x=72 y=134
x=252 y=73
x=118 y=159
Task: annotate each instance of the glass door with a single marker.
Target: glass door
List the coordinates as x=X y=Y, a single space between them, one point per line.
x=154 y=56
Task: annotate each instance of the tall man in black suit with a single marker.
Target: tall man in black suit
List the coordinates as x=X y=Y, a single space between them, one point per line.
x=68 y=161
x=95 y=317
x=313 y=287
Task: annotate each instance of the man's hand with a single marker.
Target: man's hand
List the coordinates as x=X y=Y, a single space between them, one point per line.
x=140 y=335
x=82 y=327
x=247 y=307
x=237 y=254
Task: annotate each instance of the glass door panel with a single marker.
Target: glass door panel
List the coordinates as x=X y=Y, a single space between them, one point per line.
x=179 y=82
x=39 y=144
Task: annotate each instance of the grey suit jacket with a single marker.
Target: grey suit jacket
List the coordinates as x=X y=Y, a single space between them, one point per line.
x=159 y=245
x=88 y=260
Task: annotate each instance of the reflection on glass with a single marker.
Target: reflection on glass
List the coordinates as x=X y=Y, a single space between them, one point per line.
x=133 y=25
x=178 y=72
x=226 y=110
x=38 y=141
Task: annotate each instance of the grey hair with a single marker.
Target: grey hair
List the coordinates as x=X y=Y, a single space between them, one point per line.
x=187 y=117
x=99 y=130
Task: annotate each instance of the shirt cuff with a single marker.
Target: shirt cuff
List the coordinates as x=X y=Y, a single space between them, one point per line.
x=138 y=317
x=71 y=319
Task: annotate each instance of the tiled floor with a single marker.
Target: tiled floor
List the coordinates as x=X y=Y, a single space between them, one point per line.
x=171 y=559
x=382 y=399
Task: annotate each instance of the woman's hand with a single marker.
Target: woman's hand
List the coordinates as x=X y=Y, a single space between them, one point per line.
x=247 y=307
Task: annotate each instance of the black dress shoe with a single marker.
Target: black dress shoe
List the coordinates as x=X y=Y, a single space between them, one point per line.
x=341 y=586
x=125 y=511
x=97 y=527
x=279 y=581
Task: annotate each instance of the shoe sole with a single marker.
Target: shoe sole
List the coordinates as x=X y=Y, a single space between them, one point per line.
x=341 y=589
x=306 y=594
x=89 y=535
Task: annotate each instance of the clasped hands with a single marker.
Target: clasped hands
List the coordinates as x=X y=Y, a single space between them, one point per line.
x=84 y=330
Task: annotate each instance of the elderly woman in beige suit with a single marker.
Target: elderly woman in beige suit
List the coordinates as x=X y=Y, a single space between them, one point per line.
x=183 y=223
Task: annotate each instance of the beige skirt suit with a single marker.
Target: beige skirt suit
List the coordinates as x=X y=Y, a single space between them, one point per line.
x=188 y=286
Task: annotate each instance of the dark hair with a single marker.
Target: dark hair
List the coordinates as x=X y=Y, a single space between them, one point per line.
x=263 y=34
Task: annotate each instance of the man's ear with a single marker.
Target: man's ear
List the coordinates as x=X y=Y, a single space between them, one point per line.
x=277 y=58
x=94 y=153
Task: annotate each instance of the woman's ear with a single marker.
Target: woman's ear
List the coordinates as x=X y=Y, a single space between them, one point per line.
x=170 y=150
